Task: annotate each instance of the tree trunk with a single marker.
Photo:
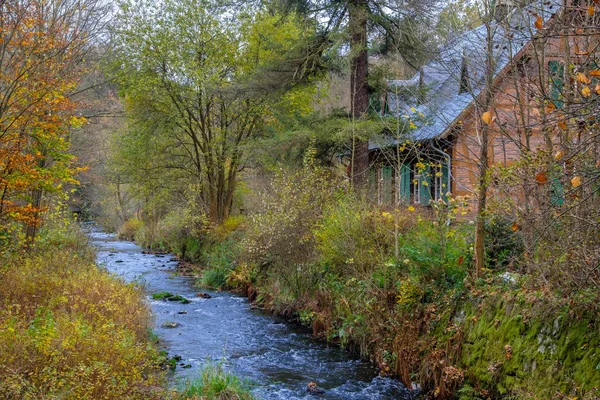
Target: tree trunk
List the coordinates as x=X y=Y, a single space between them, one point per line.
x=359 y=103
x=486 y=106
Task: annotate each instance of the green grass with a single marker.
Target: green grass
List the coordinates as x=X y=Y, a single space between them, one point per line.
x=215 y=383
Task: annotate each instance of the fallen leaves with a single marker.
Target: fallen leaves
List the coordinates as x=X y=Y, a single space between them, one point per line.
x=576 y=181
x=539 y=22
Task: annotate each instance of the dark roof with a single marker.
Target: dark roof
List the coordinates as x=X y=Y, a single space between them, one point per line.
x=442 y=76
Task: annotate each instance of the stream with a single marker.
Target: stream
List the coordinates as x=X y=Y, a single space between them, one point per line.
x=277 y=358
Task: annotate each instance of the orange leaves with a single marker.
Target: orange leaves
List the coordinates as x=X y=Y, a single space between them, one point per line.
x=541 y=177
x=35 y=121
x=488 y=117
x=562 y=124
x=595 y=72
x=582 y=78
x=591 y=10
x=576 y=181
x=514 y=227
x=597 y=89
x=539 y=22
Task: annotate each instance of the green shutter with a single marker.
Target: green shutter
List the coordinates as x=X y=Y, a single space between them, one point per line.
x=404 y=183
x=425 y=192
x=386 y=185
x=557 y=192
x=556 y=72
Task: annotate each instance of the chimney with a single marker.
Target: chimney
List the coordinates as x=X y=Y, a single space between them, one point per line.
x=465 y=85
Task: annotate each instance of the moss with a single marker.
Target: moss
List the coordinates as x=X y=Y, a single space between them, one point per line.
x=508 y=354
x=170 y=297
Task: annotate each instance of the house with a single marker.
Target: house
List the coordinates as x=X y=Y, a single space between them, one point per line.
x=442 y=103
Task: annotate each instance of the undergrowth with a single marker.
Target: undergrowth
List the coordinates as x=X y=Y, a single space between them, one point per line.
x=69 y=330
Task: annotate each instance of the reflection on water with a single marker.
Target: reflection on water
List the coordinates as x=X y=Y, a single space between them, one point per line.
x=279 y=359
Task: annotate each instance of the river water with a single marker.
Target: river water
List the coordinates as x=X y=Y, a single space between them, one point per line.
x=276 y=358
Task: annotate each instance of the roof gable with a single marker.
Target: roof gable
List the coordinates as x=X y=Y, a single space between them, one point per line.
x=445 y=101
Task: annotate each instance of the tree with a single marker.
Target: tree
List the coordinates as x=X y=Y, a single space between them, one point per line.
x=42 y=45
x=359 y=14
x=198 y=83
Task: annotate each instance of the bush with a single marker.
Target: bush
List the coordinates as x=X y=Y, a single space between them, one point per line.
x=503 y=246
x=280 y=233
x=213 y=278
x=354 y=237
x=130 y=229
x=69 y=330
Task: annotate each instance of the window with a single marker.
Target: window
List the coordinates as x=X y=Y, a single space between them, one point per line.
x=423 y=183
x=441 y=181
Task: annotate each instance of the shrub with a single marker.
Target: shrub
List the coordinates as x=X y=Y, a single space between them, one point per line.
x=69 y=330
x=130 y=229
x=280 y=233
x=213 y=278
x=354 y=237
x=504 y=247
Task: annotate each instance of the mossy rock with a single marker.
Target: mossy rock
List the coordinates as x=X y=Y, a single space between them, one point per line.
x=170 y=297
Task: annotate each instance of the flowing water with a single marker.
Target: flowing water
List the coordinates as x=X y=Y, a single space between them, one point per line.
x=277 y=358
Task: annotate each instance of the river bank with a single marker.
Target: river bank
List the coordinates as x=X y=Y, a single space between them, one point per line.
x=423 y=319
x=278 y=359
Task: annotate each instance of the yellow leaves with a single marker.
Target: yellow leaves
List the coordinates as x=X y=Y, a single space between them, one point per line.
x=539 y=22
x=488 y=117
x=591 y=10
x=586 y=91
x=558 y=155
x=541 y=177
x=576 y=181
x=411 y=208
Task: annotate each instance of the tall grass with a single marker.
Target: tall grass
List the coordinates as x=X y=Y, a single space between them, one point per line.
x=215 y=383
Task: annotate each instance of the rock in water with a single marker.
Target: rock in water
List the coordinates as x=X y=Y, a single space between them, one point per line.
x=170 y=324
x=204 y=295
x=313 y=388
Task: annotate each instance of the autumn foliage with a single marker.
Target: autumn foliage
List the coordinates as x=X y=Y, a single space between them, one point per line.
x=41 y=46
